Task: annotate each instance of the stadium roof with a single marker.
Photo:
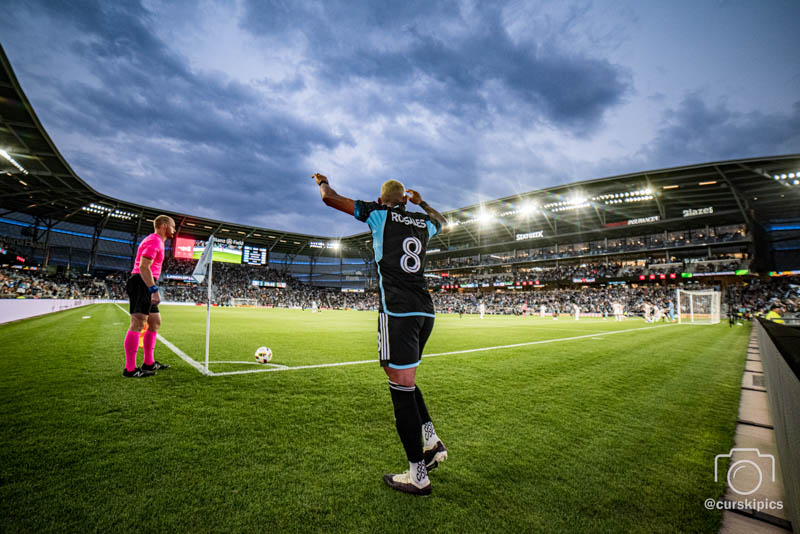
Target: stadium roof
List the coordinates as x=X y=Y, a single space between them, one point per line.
x=38 y=181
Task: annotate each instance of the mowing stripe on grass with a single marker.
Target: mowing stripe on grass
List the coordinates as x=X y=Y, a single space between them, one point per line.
x=482 y=349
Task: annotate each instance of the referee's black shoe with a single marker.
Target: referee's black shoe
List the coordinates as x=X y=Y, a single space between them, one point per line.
x=157 y=366
x=137 y=373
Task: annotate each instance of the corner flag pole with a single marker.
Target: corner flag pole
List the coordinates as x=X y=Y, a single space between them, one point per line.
x=203 y=267
x=208 y=311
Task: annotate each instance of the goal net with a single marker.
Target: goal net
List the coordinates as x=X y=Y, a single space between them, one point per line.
x=244 y=302
x=698 y=307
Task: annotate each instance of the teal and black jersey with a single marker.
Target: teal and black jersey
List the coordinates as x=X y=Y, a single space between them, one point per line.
x=400 y=240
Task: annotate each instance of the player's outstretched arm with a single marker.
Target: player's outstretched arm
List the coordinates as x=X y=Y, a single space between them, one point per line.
x=415 y=198
x=332 y=198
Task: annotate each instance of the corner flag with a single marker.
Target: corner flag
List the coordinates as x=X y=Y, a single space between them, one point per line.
x=199 y=273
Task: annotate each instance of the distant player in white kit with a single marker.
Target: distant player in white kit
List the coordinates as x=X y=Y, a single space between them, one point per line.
x=482 y=308
x=314 y=306
x=647 y=312
x=577 y=310
x=542 y=311
x=617 y=307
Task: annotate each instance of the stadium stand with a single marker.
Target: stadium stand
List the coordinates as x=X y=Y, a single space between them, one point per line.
x=731 y=225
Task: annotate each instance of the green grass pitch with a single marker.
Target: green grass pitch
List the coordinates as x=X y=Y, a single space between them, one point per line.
x=607 y=432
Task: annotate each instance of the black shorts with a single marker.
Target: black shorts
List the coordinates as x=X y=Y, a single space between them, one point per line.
x=401 y=340
x=139 y=296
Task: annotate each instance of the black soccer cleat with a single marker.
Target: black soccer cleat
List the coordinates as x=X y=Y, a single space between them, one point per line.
x=137 y=373
x=434 y=455
x=404 y=483
x=157 y=366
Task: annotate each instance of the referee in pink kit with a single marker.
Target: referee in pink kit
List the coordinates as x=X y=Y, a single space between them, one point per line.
x=144 y=298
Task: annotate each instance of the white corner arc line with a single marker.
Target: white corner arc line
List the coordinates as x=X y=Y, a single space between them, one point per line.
x=482 y=349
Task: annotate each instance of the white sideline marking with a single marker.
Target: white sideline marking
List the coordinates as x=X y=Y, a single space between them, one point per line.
x=182 y=355
x=482 y=349
x=249 y=363
x=86 y=317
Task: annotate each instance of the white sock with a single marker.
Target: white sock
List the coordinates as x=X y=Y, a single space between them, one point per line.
x=429 y=435
x=419 y=474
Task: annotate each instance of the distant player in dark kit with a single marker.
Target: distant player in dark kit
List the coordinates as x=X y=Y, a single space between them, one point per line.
x=405 y=318
x=144 y=298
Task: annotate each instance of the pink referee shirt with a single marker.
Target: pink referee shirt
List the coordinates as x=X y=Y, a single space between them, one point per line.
x=151 y=247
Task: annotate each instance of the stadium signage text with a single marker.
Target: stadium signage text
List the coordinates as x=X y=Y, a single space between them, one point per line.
x=694 y=213
x=219 y=241
x=631 y=222
x=262 y=283
x=644 y=220
x=530 y=235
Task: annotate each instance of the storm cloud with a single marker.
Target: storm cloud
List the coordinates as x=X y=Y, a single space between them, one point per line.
x=225 y=109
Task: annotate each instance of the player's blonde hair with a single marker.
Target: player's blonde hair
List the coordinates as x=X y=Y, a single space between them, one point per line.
x=162 y=220
x=392 y=191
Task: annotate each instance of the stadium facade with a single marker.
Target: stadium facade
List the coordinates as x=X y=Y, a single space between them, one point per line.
x=746 y=209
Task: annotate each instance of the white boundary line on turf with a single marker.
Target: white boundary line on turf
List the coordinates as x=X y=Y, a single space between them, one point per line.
x=249 y=363
x=482 y=349
x=182 y=355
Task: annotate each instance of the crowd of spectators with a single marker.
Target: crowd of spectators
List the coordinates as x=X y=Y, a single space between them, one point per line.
x=598 y=270
x=37 y=284
x=612 y=246
x=759 y=295
x=233 y=281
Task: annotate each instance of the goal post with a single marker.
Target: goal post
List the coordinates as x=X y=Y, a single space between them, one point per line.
x=698 y=307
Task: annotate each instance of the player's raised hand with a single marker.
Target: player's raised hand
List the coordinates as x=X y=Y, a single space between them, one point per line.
x=413 y=196
x=321 y=179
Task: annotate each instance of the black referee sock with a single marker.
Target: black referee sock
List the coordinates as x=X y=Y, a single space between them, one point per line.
x=423 y=410
x=407 y=420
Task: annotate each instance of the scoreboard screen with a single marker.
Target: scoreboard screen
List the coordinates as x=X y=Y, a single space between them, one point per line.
x=255 y=255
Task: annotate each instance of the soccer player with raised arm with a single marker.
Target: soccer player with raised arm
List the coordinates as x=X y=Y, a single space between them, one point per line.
x=405 y=316
x=144 y=298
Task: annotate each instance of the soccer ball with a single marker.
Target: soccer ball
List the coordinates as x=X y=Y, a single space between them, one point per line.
x=263 y=355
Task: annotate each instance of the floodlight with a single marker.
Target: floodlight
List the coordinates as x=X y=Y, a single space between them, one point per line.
x=527 y=209
x=12 y=161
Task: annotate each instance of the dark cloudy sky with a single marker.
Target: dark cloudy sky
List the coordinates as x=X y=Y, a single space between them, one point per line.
x=225 y=109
